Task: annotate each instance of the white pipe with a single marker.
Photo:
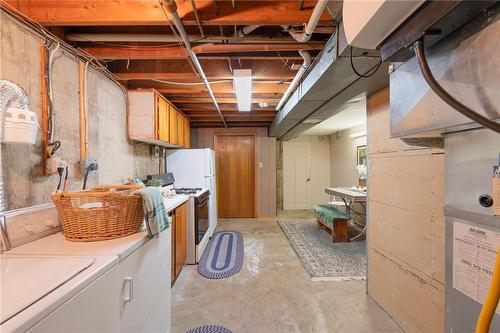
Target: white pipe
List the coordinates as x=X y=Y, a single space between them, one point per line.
x=172 y=9
x=247 y=30
x=305 y=65
x=303 y=37
x=311 y=25
x=125 y=38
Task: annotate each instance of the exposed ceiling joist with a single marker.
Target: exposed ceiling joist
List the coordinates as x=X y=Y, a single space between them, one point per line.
x=180 y=70
x=177 y=52
x=221 y=100
x=148 y=12
x=219 y=88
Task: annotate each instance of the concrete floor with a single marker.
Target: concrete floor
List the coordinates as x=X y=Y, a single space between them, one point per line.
x=272 y=293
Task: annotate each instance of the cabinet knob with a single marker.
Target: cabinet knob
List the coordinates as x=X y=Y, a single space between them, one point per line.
x=128 y=285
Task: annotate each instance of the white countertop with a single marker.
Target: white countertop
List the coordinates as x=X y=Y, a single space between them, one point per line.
x=105 y=254
x=121 y=247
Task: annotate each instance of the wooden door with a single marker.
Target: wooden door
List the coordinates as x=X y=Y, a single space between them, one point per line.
x=180 y=238
x=296 y=175
x=235 y=155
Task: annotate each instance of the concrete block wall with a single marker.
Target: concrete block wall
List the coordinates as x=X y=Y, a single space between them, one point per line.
x=118 y=158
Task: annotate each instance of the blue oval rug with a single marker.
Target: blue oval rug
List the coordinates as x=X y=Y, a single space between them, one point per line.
x=209 y=329
x=223 y=256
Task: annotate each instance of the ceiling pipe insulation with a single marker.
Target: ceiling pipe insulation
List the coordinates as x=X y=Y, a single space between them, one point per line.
x=303 y=37
x=171 y=8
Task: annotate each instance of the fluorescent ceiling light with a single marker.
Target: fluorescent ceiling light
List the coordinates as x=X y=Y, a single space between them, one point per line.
x=242 y=86
x=312 y=121
x=358 y=134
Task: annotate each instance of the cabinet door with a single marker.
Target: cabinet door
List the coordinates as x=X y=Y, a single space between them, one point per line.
x=94 y=309
x=180 y=129
x=173 y=126
x=180 y=238
x=163 y=119
x=145 y=286
x=173 y=274
x=187 y=133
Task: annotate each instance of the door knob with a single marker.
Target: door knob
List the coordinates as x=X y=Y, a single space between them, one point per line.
x=308 y=179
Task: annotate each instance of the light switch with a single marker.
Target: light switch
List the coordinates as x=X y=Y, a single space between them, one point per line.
x=260 y=164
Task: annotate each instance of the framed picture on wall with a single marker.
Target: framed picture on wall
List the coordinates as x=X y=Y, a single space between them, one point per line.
x=361 y=155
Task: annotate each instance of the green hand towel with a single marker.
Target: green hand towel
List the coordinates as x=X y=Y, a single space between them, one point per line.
x=155 y=212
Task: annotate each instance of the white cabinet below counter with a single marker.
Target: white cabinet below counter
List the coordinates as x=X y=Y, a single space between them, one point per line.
x=133 y=296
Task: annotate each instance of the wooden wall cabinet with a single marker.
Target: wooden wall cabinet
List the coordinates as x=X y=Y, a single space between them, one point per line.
x=153 y=119
x=179 y=240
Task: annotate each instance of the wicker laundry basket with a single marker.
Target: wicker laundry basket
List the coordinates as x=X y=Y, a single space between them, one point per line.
x=104 y=212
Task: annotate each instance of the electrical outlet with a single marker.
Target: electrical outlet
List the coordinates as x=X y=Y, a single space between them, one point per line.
x=155 y=152
x=52 y=164
x=84 y=164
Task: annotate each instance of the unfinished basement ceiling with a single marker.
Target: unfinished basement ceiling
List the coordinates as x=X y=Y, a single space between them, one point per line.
x=143 y=49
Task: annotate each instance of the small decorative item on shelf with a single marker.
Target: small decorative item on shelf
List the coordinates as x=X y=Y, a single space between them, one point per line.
x=102 y=213
x=154 y=182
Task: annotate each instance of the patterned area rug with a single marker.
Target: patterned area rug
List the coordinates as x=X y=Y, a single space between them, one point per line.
x=223 y=256
x=323 y=259
x=209 y=329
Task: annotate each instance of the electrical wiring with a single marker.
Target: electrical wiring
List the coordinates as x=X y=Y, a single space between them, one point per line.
x=179 y=40
x=370 y=72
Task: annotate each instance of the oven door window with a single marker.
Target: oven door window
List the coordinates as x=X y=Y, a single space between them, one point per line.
x=201 y=226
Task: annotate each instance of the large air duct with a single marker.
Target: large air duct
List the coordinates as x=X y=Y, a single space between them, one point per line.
x=171 y=7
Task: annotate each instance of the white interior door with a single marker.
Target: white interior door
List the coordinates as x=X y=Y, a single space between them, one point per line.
x=296 y=175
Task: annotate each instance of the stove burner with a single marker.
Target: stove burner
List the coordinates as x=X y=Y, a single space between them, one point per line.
x=187 y=190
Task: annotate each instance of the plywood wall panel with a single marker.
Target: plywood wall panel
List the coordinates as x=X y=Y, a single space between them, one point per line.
x=406 y=225
x=413 y=300
x=414 y=182
x=412 y=237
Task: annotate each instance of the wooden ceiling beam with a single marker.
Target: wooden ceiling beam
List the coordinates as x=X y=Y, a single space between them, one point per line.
x=219 y=88
x=188 y=108
x=178 y=52
x=148 y=12
x=220 y=100
x=182 y=71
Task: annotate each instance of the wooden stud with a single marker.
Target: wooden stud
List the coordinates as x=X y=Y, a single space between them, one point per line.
x=44 y=103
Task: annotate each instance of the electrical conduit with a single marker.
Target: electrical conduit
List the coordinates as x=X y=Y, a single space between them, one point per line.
x=171 y=8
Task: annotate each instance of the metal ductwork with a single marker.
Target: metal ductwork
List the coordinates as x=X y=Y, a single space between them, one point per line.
x=171 y=8
x=328 y=85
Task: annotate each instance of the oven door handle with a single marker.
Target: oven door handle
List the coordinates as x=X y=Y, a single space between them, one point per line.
x=201 y=203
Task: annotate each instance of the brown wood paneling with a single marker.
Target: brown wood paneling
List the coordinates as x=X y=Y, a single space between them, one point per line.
x=236 y=175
